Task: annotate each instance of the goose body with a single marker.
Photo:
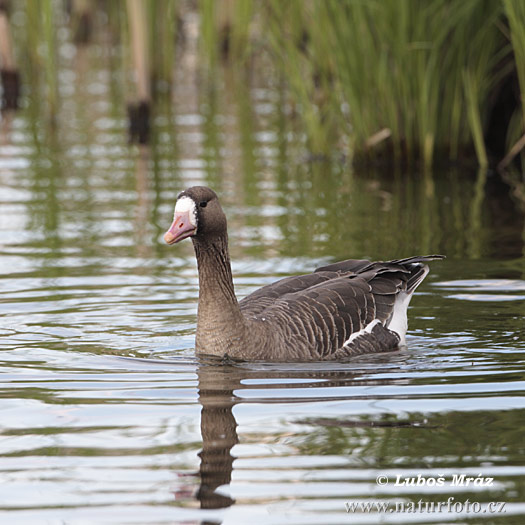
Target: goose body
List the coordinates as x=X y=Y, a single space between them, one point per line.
x=338 y=311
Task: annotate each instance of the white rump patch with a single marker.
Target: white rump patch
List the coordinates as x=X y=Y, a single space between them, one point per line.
x=366 y=330
x=399 y=321
x=187 y=204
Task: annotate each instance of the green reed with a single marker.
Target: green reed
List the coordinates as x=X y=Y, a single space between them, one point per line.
x=408 y=78
x=307 y=70
x=515 y=11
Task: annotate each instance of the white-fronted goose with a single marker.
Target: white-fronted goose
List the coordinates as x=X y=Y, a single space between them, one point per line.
x=341 y=310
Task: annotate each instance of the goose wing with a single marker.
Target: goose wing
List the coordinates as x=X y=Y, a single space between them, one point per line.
x=329 y=314
x=344 y=308
x=263 y=298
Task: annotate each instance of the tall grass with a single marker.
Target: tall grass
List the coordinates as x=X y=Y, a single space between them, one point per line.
x=417 y=72
x=515 y=11
x=307 y=69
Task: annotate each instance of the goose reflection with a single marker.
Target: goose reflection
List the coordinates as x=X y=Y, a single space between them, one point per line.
x=220 y=389
x=219 y=434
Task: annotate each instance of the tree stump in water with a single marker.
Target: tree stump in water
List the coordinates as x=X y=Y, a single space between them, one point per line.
x=8 y=72
x=139 y=125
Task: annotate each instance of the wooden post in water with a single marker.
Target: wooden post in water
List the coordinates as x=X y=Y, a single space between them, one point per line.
x=81 y=15
x=139 y=109
x=8 y=70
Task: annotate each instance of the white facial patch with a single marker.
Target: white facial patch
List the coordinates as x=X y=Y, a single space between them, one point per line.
x=186 y=204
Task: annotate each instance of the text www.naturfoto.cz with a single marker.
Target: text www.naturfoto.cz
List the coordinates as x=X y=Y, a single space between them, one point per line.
x=421 y=506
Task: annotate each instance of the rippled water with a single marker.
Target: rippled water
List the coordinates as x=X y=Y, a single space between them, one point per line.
x=106 y=414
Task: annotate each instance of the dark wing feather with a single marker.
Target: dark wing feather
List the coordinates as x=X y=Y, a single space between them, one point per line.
x=350 y=265
x=258 y=301
x=338 y=307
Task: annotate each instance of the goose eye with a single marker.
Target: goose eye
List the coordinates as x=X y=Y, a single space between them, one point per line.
x=203 y=204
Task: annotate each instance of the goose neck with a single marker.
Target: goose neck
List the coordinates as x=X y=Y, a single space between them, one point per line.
x=220 y=323
x=215 y=274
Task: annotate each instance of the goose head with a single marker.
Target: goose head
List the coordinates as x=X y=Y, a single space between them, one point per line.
x=198 y=214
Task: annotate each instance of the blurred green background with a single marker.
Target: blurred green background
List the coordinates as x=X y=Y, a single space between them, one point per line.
x=402 y=82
